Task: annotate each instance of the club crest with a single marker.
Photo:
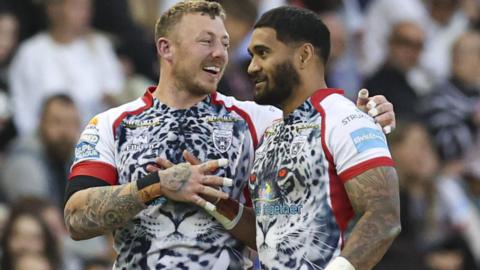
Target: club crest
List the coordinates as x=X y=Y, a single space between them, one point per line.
x=222 y=139
x=297 y=145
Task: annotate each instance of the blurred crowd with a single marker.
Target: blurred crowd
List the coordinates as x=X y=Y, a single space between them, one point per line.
x=63 y=61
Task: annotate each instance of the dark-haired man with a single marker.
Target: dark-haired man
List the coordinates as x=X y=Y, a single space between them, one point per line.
x=320 y=164
x=47 y=152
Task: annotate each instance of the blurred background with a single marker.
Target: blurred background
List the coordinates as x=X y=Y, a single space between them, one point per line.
x=63 y=61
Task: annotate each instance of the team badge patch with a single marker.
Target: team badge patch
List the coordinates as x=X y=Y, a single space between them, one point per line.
x=297 y=145
x=222 y=139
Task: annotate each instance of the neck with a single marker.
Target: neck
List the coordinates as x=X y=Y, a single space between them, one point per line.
x=62 y=35
x=170 y=94
x=305 y=89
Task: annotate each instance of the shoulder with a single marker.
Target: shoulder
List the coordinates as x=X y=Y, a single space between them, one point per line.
x=109 y=118
x=230 y=102
x=333 y=104
x=34 y=44
x=249 y=108
x=99 y=39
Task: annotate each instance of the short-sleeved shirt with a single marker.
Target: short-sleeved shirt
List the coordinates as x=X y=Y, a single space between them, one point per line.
x=297 y=183
x=117 y=145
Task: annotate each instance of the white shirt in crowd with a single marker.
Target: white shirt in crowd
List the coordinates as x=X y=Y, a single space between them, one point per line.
x=86 y=69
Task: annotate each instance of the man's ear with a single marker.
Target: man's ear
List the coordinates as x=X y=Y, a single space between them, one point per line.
x=165 y=48
x=306 y=54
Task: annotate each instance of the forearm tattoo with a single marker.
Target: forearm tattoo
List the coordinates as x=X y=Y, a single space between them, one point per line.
x=374 y=196
x=175 y=177
x=105 y=209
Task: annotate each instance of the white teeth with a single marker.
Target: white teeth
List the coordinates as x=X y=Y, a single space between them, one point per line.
x=214 y=69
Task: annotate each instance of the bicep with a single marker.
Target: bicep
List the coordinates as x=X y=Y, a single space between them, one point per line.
x=374 y=189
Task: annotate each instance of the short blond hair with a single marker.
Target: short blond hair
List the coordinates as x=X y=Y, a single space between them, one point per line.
x=174 y=14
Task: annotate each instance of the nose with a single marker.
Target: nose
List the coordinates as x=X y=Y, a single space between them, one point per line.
x=220 y=51
x=253 y=67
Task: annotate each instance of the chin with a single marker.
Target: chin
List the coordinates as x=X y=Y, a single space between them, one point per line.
x=204 y=90
x=262 y=98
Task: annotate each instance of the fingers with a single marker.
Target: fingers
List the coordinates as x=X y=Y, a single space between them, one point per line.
x=217 y=181
x=152 y=168
x=190 y=158
x=213 y=165
x=380 y=109
x=203 y=203
x=212 y=192
x=163 y=163
x=362 y=97
x=387 y=121
x=376 y=100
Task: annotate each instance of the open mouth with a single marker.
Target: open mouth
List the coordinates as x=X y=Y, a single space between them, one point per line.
x=259 y=82
x=212 y=70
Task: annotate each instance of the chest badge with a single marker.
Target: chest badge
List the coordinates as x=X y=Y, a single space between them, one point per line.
x=297 y=145
x=222 y=139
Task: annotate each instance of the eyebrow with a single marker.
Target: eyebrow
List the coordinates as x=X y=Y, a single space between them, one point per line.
x=257 y=48
x=210 y=33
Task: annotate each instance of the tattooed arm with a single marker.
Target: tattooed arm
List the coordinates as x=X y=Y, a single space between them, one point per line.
x=95 y=211
x=374 y=196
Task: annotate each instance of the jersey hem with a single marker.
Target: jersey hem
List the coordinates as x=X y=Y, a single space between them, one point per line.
x=364 y=166
x=98 y=169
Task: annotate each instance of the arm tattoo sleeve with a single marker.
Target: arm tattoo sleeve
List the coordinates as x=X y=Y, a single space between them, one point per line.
x=374 y=196
x=104 y=209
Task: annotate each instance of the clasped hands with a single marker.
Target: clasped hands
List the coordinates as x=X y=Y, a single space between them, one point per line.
x=191 y=181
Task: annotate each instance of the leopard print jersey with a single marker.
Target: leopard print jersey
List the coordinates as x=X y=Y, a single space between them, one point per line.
x=167 y=234
x=296 y=228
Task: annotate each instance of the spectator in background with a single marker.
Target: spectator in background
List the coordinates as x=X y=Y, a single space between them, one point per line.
x=115 y=17
x=436 y=214
x=69 y=56
x=3 y=218
x=8 y=41
x=342 y=65
x=38 y=164
x=405 y=46
x=73 y=253
x=135 y=83
x=453 y=108
x=31 y=16
x=241 y=17
x=27 y=233
x=442 y=21
x=32 y=262
x=97 y=264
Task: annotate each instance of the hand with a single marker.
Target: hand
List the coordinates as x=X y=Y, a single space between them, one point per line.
x=379 y=108
x=161 y=164
x=188 y=183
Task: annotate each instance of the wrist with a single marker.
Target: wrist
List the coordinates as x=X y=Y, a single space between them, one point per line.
x=340 y=263
x=228 y=213
x=149 y=187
